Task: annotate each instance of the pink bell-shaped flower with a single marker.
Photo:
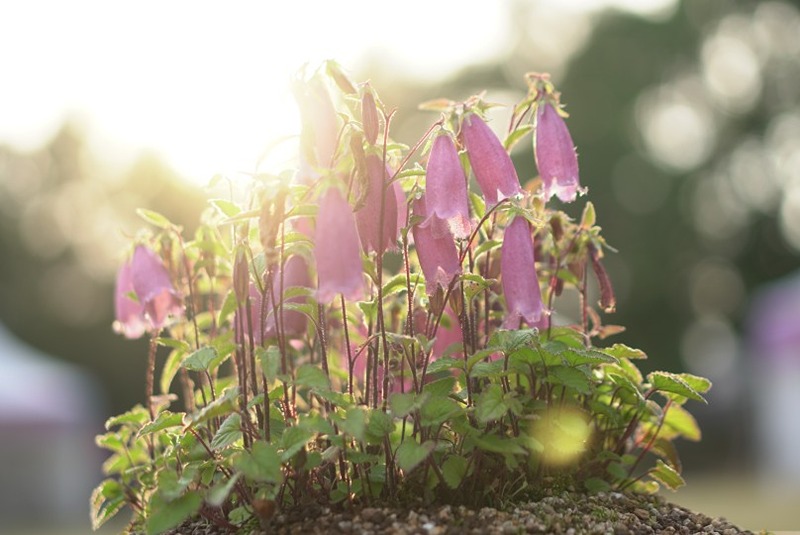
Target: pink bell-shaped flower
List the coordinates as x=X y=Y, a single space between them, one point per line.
x=336 y=250
x=518 y=276
x=130 y=321
x=368 y=218
x=146 y=275
x=490 y=162
x=320 y=124
x=555 y=154
x=436 y=250
x=295 y=273
x=446 y=187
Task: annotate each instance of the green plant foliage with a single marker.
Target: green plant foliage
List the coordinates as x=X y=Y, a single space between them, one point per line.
x=416 y=391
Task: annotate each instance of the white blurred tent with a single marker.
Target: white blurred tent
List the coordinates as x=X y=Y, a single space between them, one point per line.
x=48 y=415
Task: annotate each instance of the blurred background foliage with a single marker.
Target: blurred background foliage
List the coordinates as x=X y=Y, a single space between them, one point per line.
x=687 y=123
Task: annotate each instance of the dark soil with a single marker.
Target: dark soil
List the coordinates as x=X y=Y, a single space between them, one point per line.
x=568 y=513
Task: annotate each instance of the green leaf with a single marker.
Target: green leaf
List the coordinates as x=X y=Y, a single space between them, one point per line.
x=261 y=463
x=440 y=387
x=485 y=247
x=445 y=364
x=226 y=208
x=293 y=440
x=674 y=384
x=500 y=444
x=229 y=432
x=410 y=454
x=516 y=136
x=490 y=405
x=355 y=423
x=200 y=360
x=666 y=475
x=171 y=366
x=134 y=418
x=570 y=377
x=454 y=469
x=228 y=307
x=105 y=502
x=164 y=420
x=398 y=283
x=166 y=515
x=404 y=404
x=311 y=376
x=595 y=484
x=154 y=218
x=219 y=407
x=510 y=341
x=270 y=360
x=579 y=357
x=438 y=409
x=621 y=351
x=682 y=423
x=701 y=385
x=379 y=425
x=219 y=493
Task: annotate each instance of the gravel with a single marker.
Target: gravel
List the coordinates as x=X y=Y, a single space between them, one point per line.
x=567 y=513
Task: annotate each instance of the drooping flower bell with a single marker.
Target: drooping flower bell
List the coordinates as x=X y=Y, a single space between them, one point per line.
x=295 y=274
x=146 y=276
x=337 y=251
x=446 y=187
x=436 y=251
x=320 y=124
x=490 y=162
x=518 y=276
x=555 y=154
x=369 y=216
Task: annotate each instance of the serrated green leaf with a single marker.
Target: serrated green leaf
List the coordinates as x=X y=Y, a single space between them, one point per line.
x=154 y=218
x=445 y=364
x=674 y=384
x=440 y=387
x=164 y=420
x=293 y=440
x=219 y=493
x=509 y=341
x=404 y=404
x=485 y=247
x=438 y=409
x=200 y=360
x=621 y=351
x=166 y=515
x=311 y=376
x=498 y=444
x=355 y=423
x=171 y=366
x=261 y=463
x=398 y=283
x=134 y=418
x=490 y=405
x=220 y=407
x=410 y=454
x=701 y=385
x=570 y=377
x=379 y=424
x=454 y=469
x=666 y=475
x=229 y=432
x=107 y=499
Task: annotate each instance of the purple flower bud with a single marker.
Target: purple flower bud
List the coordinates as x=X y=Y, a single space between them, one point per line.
x=437 y=254
x=446 y=187
x=336 y=250
x=320 y=130
x=490 y=162
x=518 y=274
x=146 y=275
x=368 y=218
x=369 y=116
x=555 y=154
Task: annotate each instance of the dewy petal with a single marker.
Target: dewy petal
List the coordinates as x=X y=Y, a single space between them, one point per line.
x=446 y=187
x=437 y=254
x=295 y=274
x=336 y=250
x=368 y=218
x=518 y=275
x=130 y=321
x=490 y=162
x=555 y=154
x=154 y=288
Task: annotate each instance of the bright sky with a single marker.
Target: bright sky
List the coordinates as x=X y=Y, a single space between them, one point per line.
x=206 y=86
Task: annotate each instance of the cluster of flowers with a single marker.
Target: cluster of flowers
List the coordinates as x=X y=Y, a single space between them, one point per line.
x=368 y=215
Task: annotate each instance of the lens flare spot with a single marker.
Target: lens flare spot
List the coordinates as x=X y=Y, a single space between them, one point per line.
x=564 y=435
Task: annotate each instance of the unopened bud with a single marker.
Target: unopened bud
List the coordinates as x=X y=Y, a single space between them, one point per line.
x=608 y=302
x=369 y=116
